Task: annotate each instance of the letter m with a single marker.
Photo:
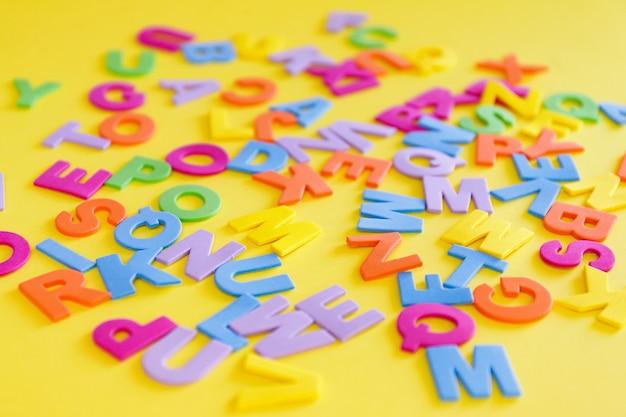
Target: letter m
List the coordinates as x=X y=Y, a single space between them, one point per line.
x=448 y=367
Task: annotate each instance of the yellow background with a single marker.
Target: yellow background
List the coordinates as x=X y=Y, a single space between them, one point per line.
x=567 y=363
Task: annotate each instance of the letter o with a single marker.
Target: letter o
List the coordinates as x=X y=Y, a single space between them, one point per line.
x=219 y=156
x=108 y=128
x=210 y=199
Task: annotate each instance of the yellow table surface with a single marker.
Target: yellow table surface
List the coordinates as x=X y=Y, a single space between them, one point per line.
x=568 y=363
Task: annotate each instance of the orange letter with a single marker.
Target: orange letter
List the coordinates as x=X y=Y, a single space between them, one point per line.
x=358 y=164
x=511 y=287
x=579 y=217
x=72 y=289
x=486 y=149
x=376 y=264
x=88 y=223
x=268 y=91
x=304 y=179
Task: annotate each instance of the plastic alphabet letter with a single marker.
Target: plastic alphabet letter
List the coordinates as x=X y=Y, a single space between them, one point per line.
x=287 y=337
x=545 y=169
x=603 y=189
x=338 y=21
x=335 y=77
x=145 y=128
x=201 y=262
x=29 y=95
x=250 y=47
x=88 y=223
x=403 y=117
x=435 y=292
x=486 y=149
x=119 y=278
x=582 y=222
x=546 y=143
x=350 y=132
x=219 y=123
x=495 y=119
x=66 y=284
x=211 y=202
x=432 y=59
x=448 y=366
x=307 y=111
x=263 y=124
x=297 y=60
x=560 y=123
x=614 y=111
x=440 y=99
x=131 y=99
x=155 y=359
x=273 y=225
x=294 y=145
x=473 y=262
x=65 y=255
x=225 y=277
x=385 y=213
x=547 y=193
x=276 y=158
x=137 y=337
x=68 y=133
x=439 y=136
x=419 y=335
x=376 y=264
x=70 y=184
x=205 y=52
x=587 y=109
x=145 y=64
x=20 y=252
x=268 y=91
x=478 y=88
x=598 y=296
x=499 y=240
x=361 y=36
x=217 y=326
x=297 y=385
x=140 y=169
x=528 y=106
x=512 y=69
x=146 y=216
x=334 y=319
x=573 y=255
x=438 y=189
x=165 y=38
x=189 y=90
x=367 y=60
x=304 y=179
x=219 y=156
x=512 y=287
x=439 y=163
x=357 y=164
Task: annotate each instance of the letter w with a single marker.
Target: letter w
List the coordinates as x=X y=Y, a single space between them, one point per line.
x=271 y=225
x=499 y=241
x=386 y=213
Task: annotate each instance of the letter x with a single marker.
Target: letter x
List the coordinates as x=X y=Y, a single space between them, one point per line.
x=513 y=70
